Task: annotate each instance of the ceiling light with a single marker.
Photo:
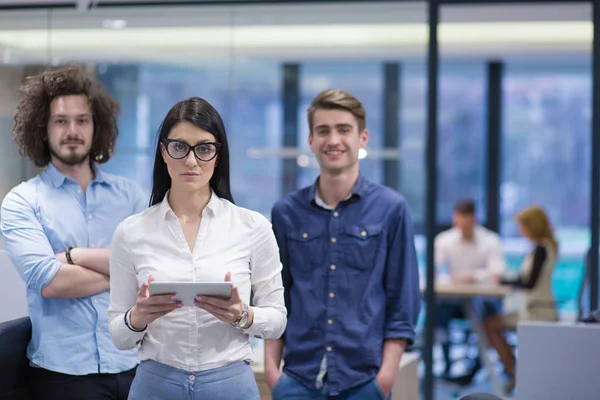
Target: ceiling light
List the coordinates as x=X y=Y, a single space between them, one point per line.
x=303 y=160
x=114 y=23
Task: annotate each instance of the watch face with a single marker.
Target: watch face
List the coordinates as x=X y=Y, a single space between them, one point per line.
x=243 y=321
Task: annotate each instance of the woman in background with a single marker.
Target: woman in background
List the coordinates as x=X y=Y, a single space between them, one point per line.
x=193 y=232
x=535 y=279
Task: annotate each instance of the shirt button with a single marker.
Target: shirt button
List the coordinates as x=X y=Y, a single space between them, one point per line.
x=90 y=216
x=332 y=267
x=79 y=191
x=333 y=240
x=93 y=247
x=192 y=377
x=305 y=235
x=335 y=214
x=363 y=233
x=329 y=348
x=330 y=321
x=332 y=295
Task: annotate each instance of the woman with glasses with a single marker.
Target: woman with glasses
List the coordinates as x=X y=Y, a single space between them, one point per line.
x=193 y=232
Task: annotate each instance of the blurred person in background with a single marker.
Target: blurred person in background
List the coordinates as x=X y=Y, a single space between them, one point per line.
x=468 y=253
x=535 y=279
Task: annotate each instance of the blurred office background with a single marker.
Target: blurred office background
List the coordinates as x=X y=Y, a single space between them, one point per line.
x=261 y=64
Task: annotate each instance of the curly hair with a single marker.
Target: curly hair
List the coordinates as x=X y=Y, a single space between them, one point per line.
x=31 y=119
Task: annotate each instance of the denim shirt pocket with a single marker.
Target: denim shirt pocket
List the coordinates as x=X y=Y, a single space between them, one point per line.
x=361 y=245
x=306 y=248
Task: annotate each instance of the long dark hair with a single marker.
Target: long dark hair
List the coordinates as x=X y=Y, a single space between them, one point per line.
x=200 y=113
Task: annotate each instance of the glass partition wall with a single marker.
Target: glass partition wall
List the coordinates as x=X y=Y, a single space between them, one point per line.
x=520 y=135
x=261 y=65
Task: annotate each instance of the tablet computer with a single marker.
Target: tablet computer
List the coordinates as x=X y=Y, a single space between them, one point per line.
x=187 y=291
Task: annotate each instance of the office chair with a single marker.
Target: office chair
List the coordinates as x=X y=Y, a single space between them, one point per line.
x=480 y=396
x=461 y=329
x=14 y=365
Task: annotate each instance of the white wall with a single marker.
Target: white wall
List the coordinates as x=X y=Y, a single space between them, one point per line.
x=13 y=169
x=13 y=302
x=12 y=165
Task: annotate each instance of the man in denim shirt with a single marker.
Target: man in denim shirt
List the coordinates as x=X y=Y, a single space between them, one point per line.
x=57 y=228
x=349 y=270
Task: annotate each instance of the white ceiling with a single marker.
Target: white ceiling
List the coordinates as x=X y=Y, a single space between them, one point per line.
x=50 y=3
x=4 y=3
x=399 y=11
x=290 y=31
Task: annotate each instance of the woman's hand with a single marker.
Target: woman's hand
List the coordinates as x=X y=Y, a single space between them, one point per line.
x=149 y=308
x=228 y=310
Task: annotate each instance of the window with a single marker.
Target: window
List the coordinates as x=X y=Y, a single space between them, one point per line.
x=461 y=138
x=247 y=98
x=547 y=159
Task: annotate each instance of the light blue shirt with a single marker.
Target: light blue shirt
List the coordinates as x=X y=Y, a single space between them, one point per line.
x=44 y=216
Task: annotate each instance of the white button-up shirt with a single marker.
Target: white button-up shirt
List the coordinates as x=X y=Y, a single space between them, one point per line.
x=482 y=255
x=230 y=239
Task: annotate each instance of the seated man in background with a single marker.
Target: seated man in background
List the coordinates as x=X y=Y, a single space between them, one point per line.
x=466 y=253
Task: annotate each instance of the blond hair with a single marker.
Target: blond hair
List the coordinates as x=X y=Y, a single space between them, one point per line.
x=535 y=222
x=336 y=99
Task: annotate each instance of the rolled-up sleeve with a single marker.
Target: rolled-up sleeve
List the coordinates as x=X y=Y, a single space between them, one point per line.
x=268 y=294
x=26 y=242
x=403 y=297
x=123 y=292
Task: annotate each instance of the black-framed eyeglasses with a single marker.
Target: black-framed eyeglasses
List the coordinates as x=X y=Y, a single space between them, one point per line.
x=178 y=149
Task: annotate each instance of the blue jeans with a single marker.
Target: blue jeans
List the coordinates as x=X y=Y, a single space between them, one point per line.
x=288 y=388
x=157 y=381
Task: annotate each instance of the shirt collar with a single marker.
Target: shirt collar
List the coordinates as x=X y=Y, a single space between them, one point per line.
x=359 y=190
x=214 y=206
x=100 y=176
x=58 y=178
x=477 y=232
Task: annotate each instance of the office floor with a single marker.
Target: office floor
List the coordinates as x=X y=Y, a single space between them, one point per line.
x=447 y=391
x=444 y=391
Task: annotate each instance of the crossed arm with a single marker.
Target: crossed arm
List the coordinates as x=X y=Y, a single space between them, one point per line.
x=87 y=275
x=43 y=271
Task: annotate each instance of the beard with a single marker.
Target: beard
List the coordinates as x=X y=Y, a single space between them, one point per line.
x=72 y=158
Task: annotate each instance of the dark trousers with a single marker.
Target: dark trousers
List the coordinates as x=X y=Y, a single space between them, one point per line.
x=50 y=385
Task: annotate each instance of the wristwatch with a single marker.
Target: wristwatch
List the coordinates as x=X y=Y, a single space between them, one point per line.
x=243 y=318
